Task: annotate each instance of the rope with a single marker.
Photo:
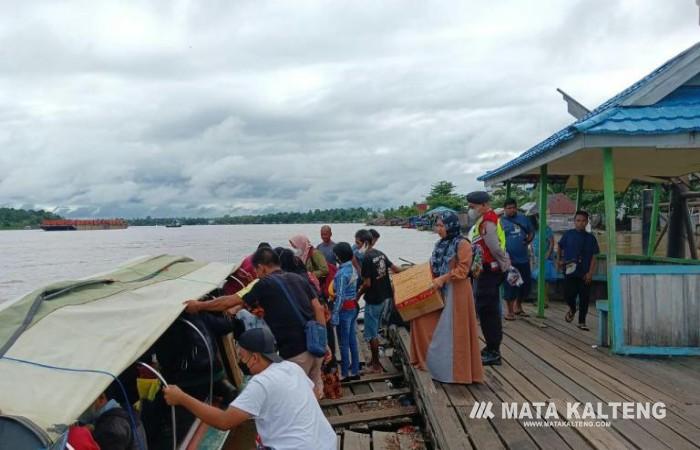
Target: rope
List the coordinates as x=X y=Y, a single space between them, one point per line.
x=130 y=411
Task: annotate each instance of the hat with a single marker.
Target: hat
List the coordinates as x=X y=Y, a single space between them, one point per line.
x=260 y=340
x=478 y=197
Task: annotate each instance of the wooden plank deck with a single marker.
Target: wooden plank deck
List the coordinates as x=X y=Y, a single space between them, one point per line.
x=551 y=360
x=371 y=414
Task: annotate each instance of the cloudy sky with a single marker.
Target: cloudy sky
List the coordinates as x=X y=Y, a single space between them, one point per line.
x=228 y=107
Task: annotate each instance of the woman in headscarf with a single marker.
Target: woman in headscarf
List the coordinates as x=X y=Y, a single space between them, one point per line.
x=314 y=260
x=446 y=342
x=290 y=263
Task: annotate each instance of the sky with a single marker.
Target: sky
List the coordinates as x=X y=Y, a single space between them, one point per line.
x=213 y=107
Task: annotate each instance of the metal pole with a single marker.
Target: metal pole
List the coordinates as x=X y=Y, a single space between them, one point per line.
x=579 y=192
x=542 y=237
x=508 y=189
x=210 y=353
x=654 y=224
x=609 y=200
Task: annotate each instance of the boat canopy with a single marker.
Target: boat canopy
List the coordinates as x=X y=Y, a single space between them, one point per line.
x=89 y=328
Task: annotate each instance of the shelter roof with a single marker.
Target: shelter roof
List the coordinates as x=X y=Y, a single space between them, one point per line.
x=664 y=102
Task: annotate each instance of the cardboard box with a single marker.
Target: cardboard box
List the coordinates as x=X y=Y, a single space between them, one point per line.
x=414 y=294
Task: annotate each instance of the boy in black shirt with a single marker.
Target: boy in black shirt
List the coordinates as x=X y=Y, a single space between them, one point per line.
x=577 y=250
x=376 y=287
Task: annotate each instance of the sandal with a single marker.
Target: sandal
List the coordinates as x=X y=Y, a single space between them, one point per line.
x=583 y=326
x=569 y=316
x=522 y=313
x=509 y=317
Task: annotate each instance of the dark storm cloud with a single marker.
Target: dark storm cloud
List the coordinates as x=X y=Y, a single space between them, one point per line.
x=209 y=108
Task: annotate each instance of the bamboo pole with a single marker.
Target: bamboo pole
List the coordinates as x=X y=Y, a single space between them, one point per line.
x=609 y=200
x=542 y=237
x=579 y=192
x=654 y=223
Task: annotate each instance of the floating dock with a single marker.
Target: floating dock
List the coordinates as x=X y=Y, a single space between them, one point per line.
x=553 y=361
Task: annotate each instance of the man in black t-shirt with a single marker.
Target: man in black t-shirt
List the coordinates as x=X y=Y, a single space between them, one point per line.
x=376 y=287
x=267 y=299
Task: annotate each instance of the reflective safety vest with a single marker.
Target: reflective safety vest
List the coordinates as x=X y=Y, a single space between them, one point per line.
x=476 y=239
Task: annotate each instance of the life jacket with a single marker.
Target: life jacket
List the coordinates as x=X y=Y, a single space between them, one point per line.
x=476 y=232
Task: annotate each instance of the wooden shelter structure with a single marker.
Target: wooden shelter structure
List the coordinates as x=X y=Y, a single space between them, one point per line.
x=646 y=133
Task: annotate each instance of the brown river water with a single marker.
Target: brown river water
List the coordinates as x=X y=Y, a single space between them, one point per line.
x=30 y=259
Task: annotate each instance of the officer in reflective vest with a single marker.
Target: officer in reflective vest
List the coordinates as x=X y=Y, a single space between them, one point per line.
x=489 y=240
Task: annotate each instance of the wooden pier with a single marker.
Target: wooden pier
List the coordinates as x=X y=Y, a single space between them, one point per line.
x=551 y=360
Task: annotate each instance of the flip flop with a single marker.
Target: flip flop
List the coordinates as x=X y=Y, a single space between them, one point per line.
x=509 y=317
x=582 y=326
x=569 y=316
x=522 y=314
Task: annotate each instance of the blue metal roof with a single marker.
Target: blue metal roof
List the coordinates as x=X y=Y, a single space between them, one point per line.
x=680 y=111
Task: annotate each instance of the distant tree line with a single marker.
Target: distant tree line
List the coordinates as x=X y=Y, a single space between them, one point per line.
x=335 y=215
x=11 y=218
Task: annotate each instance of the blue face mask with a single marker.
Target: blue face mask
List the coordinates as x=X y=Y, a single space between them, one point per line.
x=89 y=416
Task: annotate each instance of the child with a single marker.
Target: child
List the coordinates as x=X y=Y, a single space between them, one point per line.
x=577 y=250
x=345 y=311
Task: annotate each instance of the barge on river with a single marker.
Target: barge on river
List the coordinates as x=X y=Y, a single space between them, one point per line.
x=84 y=224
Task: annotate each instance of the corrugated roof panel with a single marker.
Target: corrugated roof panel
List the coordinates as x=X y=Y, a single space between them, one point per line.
x=647 y=126
x=679 y=112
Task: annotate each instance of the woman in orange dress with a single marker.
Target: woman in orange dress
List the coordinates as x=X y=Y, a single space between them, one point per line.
x=446 y=342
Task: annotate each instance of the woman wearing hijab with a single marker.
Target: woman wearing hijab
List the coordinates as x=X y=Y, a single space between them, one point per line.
x=446 y=342
x=314 y=260
x=290 y=263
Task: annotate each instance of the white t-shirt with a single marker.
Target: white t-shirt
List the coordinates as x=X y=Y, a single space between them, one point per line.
x=287 y=414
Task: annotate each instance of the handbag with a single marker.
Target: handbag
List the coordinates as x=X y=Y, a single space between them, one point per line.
x=316 y=338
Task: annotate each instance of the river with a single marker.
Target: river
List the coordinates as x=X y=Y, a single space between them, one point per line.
x=34 y=258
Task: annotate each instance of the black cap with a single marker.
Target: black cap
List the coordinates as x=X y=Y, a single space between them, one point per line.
x=260 y=340
x=478 y=197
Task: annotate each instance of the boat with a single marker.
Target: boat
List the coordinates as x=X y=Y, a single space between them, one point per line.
x=173 y=224
x=83 y=224
x=59 y=344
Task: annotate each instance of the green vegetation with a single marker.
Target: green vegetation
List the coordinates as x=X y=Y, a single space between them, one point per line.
x=443 y=193
x=17 y=219
x=335 y=215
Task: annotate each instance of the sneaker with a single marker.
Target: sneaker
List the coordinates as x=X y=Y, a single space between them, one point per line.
x=582 y=326
x=491 y=359
x=484 y=351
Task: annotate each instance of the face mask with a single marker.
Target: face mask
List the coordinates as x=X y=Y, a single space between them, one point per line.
x=88 y=416
x=297 y=252
x=362 y=250
x=244 y=368
x=473 y=214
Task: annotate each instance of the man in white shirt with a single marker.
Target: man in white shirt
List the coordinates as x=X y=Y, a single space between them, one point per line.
x=279 y=397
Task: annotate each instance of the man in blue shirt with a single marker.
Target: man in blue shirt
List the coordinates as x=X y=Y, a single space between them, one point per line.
x=577 y=250
x=518 y=231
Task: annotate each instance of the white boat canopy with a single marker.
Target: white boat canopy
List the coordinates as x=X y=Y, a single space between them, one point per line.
x=91 y=328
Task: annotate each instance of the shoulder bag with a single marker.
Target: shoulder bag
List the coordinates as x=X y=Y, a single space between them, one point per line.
x=316 y=338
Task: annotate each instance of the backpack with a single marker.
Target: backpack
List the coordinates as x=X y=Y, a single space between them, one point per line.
x=325 y=285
